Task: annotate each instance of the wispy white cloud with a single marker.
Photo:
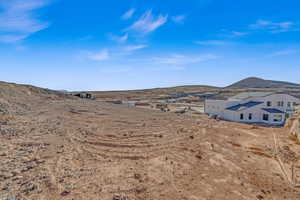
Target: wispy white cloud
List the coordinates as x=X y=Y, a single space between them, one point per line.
x=128 y=14
x=99 y=56
x=233 y=33
x=120 y=39
x=17 y=19
x=285 y=52
x=238 y=33
x=12 y=38
x=212 y=42
x=112 y=53
x=179 y=19
x=179 y=59
x=130 y=48
x=263 y=26
x=273 y=27
x=148 y=23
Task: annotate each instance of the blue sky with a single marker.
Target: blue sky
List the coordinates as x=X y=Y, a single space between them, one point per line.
x=131 y=44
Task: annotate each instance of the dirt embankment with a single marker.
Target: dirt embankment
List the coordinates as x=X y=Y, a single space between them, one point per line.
x=293 y=125
x=18 y=99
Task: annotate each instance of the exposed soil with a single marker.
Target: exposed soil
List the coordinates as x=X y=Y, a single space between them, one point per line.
x=60 y=147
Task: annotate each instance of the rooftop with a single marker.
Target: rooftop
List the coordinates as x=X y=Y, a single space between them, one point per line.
x=246 y=95
x=244 y=105
x=272 y=110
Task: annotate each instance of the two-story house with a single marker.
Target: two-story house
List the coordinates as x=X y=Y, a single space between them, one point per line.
x=269 y=108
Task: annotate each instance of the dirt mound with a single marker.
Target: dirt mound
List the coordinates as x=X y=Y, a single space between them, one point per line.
x=16 y=98
x=293 y=124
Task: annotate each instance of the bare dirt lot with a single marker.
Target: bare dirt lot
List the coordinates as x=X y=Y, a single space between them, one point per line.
x=58 y=147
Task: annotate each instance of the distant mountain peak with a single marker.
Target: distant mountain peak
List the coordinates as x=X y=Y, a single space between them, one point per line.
x=255 y=82
x=253 y=78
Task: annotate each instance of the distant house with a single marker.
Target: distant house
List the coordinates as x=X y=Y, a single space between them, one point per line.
x=268 y=108
x=84 y=95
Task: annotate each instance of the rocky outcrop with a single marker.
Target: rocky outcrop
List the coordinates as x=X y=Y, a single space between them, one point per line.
x=293 y=124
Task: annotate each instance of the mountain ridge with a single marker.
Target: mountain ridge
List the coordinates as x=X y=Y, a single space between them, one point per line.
x=255 y=82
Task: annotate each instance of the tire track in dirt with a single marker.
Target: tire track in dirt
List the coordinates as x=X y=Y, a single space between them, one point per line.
x=127 y=149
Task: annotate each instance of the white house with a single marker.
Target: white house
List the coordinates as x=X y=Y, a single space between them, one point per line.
x=254 y=107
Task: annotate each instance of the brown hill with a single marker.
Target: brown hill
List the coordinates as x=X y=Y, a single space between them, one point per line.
x=154 y=93
x=15 y=98
x=254 y=82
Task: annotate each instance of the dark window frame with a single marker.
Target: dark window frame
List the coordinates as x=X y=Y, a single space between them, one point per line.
x=266 y=117
x=250 y=116
x=242 y=116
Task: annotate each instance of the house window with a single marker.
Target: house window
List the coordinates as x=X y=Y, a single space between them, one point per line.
x=242 y=116
x=265 y=117
x=269 y=103
x=277 y=118
x=287 y=115
x=294 y=104
x=289 y=104
x=250 y=116
x=280 y=103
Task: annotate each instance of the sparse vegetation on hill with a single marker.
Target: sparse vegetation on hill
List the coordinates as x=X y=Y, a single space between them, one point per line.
x=249 y=84
x=254 y=82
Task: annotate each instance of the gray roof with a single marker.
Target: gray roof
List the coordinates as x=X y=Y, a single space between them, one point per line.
x=272 y=110
x=244 y=106
x=246 y=95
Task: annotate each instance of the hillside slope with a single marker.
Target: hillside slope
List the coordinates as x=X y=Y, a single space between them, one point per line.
x=154 y=93
x=15 y=98
x=254 y=82
x=65 y=148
